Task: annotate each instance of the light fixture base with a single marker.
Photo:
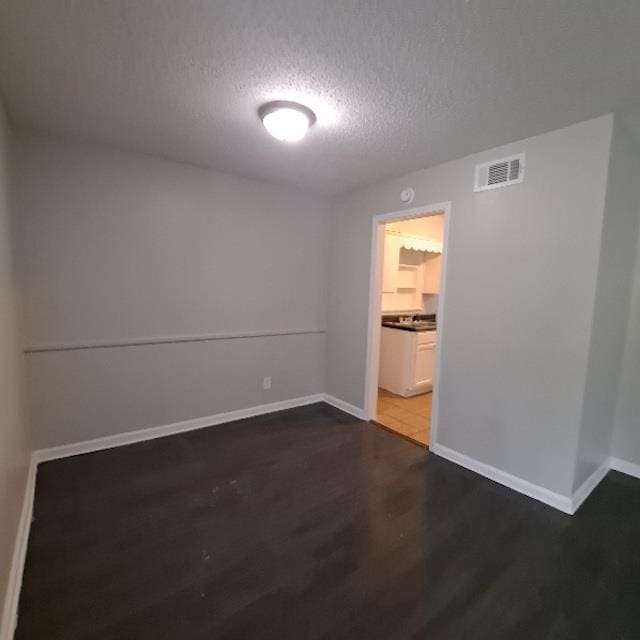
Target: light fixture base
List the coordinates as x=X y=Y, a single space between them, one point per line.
x=274 y=105
x=285 y=120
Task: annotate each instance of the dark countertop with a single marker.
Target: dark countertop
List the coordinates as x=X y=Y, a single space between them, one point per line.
x=421 y=322
x=409 y=327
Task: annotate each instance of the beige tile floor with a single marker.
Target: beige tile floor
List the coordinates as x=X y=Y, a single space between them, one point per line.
x=410 y=417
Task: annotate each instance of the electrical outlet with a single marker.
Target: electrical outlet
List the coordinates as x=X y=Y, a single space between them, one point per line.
x=266 y=382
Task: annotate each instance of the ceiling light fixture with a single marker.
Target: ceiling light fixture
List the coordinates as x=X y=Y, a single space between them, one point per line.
x=286 y=121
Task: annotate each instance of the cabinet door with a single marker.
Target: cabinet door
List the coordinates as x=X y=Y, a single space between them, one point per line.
x=424 y=365
x=432 y=268
x=391 y=259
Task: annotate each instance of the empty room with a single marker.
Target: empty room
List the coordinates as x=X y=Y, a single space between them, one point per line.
x=319 y=320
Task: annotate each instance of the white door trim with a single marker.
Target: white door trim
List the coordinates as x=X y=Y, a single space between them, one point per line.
x=375 y=305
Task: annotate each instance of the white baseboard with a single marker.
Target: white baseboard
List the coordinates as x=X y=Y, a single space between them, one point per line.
x=556 y=500
x=10 y=606
x=344 y=406
x=585 y=489
x=139 y=435
x=631 y=469
x=120 y=439
x=567 y=504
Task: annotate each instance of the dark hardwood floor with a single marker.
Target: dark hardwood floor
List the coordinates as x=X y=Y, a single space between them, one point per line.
x=311 y=524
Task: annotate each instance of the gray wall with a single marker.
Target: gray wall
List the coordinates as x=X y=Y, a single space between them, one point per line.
x=612 y=305
x=116 y=247
x=522 y=270
x=626 y=435
x=14 y=444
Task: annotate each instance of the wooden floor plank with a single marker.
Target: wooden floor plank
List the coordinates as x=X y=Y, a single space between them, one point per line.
x=310 y=524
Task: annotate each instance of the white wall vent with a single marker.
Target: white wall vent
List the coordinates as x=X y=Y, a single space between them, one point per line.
x=499 y=173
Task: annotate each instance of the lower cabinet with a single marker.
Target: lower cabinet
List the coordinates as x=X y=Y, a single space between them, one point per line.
x=407 y=361
x=423 y=365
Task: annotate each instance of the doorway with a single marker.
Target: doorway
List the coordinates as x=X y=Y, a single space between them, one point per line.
x=406 y=323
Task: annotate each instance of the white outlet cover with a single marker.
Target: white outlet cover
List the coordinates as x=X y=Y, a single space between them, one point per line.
x=266 y=383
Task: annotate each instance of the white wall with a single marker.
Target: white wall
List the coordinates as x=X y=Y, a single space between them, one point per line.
x=119 y=247
x=522 y=269
x=612 y=304
x=14 y=441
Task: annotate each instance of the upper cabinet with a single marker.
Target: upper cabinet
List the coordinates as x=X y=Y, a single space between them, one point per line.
x=391 y=263
x=432 y=269
x=411 y=265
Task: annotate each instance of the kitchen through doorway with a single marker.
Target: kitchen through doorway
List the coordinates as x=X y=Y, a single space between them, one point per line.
x=405 y=321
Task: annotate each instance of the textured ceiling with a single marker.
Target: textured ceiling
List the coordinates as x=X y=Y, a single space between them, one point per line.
x=396 y=86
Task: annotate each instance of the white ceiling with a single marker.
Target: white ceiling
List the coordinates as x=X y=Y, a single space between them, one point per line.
x=396 y=86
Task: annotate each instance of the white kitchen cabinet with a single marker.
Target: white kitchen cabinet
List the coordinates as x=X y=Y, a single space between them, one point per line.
x=408 y=277
x=424 y=365
x=391 y=263
x=407 y=274
x=431 y=271
x=407 y=361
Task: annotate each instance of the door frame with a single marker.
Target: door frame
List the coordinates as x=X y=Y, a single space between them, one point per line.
x=375 y=306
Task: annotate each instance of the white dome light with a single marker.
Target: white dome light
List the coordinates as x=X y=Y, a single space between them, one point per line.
x=286 y=121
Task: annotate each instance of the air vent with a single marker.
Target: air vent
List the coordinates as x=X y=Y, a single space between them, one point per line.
x=499 y=173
